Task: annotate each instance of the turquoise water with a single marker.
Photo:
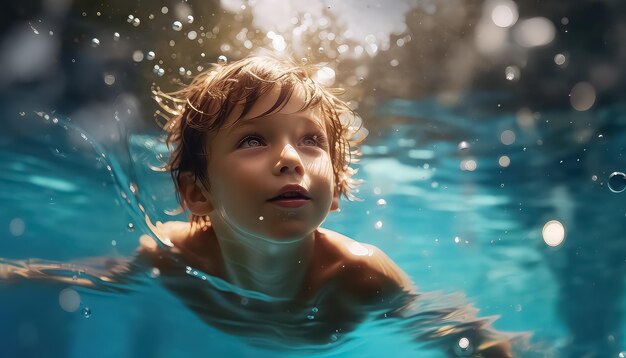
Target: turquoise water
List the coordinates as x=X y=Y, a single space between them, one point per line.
x=67 y=196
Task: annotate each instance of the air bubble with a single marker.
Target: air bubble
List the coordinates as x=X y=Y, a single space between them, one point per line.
x=181 y=71
x=136 y=22
x=116 y=36
x=130 y=19
x=95 y=42
x=131 y=227
x=86 y=312
x=381 y=202
x=160 y=72
x=190 y=19
x=177 y=25
x=150 y=55
x=617 y=182
x=222 y=60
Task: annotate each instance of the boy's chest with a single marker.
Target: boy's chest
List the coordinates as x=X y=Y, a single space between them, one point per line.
x=324 y=318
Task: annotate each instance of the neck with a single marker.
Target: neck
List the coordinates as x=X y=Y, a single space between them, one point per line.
x=275 y=268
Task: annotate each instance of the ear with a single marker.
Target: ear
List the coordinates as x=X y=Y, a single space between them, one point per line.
x=194 y=194
x=335 y=204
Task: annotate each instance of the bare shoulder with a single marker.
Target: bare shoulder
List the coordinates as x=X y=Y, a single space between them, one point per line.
x=363 y=266
x=170 y=233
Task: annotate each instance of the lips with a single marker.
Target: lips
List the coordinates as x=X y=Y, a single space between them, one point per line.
x=291 y=192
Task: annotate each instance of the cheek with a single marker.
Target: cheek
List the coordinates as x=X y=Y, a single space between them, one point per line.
x=232 y=179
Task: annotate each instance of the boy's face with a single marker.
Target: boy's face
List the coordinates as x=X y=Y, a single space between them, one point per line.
x=251 y=162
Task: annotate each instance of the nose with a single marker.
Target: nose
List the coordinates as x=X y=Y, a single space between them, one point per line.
x=289 y=162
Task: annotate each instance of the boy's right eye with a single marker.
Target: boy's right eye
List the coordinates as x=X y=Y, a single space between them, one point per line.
x=250 y=139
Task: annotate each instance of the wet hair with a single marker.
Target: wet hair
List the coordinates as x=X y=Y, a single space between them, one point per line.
x=197 y=111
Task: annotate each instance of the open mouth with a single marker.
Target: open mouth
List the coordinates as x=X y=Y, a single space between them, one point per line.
x=290 y=195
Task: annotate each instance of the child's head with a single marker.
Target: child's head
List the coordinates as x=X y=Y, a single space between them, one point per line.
x=227 y=94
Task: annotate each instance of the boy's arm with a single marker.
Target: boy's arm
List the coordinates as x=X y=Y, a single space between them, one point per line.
x=99 y=273
x=438 y=321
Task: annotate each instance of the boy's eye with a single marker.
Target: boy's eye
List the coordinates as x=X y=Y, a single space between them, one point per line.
x=317 y=140
x=253 y=140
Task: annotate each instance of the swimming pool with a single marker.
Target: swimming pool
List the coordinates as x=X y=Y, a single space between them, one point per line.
x=437 y=198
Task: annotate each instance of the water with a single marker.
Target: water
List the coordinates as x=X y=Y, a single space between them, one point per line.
x=451 y=229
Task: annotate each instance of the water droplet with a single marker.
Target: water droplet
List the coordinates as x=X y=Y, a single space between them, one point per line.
x=594 y=177
x=188 y=269
x=95 y=42
x=190 y=19
x=617 y=182
x=222 y=60
x=304 y=60
x=464 y=343
x=315 y=310
x=310 y=317
x=381 y=202
x=378 y=225
x=22 y=114
x=463 y=145
x=559 y=59
x=155 y=272
x=192 y=35
x=177 y=25
x=512 y=73
x=130 y=19
x=116 y=36
x=113 y=243
x=553 y=233
x=136 y=22
x=86 y=312
x=109 y=79
x=181 y=71
x=333 y=337
x=261 y=218
x=150 y=55
x=164 y=10
x=160 y=72
x=457 y=239
x=131 y=227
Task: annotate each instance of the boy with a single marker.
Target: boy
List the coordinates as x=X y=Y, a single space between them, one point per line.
x=260 y=155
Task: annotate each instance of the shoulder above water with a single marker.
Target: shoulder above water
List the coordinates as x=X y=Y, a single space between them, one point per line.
x=364 y=267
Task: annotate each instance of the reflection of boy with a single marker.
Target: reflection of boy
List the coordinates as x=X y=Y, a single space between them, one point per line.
x=261 y=155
